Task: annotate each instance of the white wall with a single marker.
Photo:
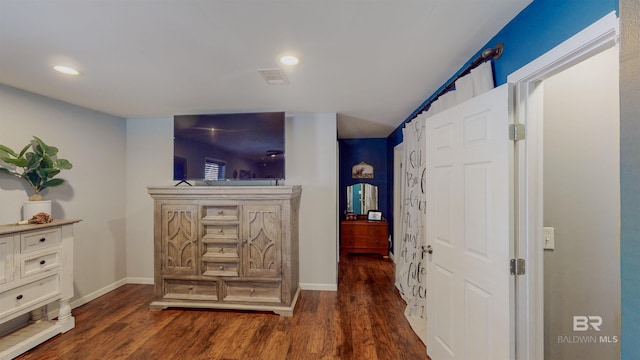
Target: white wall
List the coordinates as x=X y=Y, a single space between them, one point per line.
x=582 y=202
x=116 y=159
x=149 y=162
x=310 y=162
x=95 y=144
x=311 y=154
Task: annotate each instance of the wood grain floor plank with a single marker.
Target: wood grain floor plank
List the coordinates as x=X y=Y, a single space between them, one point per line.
x=362 y=320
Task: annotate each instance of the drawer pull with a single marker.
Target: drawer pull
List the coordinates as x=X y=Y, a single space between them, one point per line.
x=221 y=231
x=221 y=250
x=19 y=297
x=253 y=290
x=42 y=262
x=43 y=240
x=220 y=267
x=221 y=212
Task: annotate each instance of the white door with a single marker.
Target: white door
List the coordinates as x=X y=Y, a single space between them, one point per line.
x=469 y=229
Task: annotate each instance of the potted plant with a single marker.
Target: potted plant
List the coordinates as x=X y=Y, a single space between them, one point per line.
x=39 y=166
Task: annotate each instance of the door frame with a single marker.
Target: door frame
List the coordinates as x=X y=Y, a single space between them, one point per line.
x=398 y=151
x=600 y=36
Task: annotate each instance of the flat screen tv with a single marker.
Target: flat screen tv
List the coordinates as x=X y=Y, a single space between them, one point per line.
x=228 y=147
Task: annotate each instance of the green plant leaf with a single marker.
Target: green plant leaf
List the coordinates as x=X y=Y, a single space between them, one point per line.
x=8 y=151
x=63 y=164
x=46 y=149
x=52 y=182
x=19 y=162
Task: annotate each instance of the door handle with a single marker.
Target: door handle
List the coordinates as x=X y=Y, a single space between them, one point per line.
x=428 y=250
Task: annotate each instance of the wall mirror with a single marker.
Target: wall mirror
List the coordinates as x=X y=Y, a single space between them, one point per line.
x=361 y=198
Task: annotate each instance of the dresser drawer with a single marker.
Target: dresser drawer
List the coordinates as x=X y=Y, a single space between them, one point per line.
x=221 y=250
x=220 y=231
x=30 y=294
x=364 y=241
x=39 y=240
x=252 y=291
x=219 y=267
x=373 y=230
x=192 y=290
x=36 y=264
x=221 y=212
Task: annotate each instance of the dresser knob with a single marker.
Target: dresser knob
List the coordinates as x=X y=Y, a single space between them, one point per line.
x=42 y=262
x=221 y=231
x=221 y=212
x=253 y=290
x=19 y=297
x=220 y=267
x=43 y=240
x=221 y=250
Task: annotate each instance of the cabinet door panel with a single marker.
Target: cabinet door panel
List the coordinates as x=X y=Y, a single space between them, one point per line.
x=179 y=239
x=6 y=259
x=262 y=240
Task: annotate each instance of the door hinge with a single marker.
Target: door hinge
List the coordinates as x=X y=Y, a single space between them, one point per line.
x=516 y=132
x=517 y=266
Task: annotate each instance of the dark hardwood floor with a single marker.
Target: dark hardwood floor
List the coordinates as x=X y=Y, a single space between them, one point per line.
x=362 y=320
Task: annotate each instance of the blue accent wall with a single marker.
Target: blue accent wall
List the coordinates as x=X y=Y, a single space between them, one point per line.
x=540 y=27
x=373 y=152
x=543 y=25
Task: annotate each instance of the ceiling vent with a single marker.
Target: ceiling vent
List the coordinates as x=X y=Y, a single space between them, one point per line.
x=274 y=76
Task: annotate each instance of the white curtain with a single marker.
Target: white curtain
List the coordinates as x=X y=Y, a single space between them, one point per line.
x=410 y=270
x=410 y=266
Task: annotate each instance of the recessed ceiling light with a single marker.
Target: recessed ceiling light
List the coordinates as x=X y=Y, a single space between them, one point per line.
x=289 y=60
x=66 y=70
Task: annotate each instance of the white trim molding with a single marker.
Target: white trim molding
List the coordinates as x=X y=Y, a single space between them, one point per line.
x=319 y=287
x=600 y=36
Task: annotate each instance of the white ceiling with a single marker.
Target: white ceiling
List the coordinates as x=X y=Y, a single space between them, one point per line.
x=371 y=61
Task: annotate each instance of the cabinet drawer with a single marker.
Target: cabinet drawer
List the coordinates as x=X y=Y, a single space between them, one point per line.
x=38 y=264
x=363 y=241
x=213 y=232
x=27 y=295
x=39 y=240
x=192 y=290
x=365 y=230
x=251 y=291
x=221 y=212
x=219 y=267
x=221 y=250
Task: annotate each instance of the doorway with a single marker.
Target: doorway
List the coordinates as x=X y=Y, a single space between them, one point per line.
x=581 y=210
x=529 y=83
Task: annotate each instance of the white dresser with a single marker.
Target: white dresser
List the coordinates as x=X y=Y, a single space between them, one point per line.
x=36 y=269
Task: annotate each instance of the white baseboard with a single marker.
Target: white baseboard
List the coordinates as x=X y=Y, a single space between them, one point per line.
x=140 y=280
x=96 y=294
x=319 y=287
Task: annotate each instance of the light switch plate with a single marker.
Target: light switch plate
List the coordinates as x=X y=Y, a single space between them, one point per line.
x=548 y=238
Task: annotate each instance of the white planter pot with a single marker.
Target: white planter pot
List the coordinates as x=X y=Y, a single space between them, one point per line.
x=31 y=208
